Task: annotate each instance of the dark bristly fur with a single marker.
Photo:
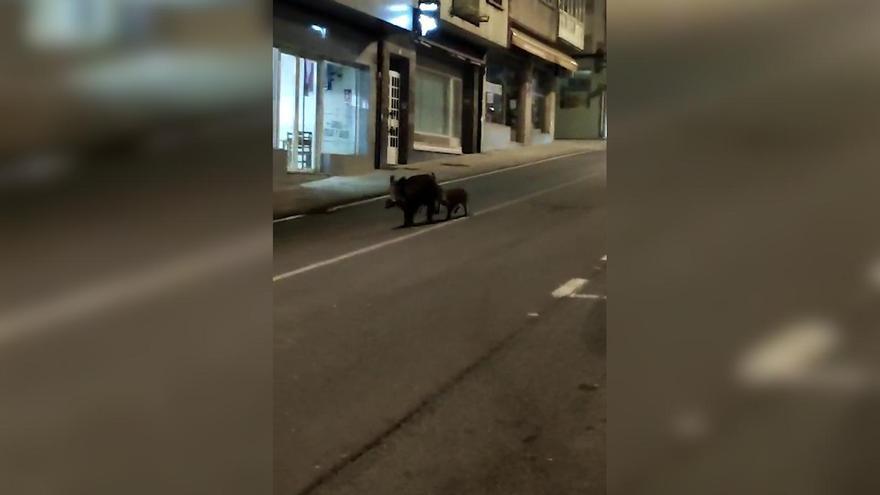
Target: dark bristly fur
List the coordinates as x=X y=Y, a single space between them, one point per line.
x=411 y=193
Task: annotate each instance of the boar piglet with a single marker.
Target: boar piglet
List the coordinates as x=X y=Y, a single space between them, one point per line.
x=454 y=198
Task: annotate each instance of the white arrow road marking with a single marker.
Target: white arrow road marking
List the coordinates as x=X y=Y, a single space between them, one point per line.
x=789 y=354
x=569 y=288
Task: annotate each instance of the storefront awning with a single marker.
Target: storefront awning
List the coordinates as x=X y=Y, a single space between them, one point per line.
x=541 y=50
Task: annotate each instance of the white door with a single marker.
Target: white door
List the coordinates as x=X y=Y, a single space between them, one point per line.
x=393 y=116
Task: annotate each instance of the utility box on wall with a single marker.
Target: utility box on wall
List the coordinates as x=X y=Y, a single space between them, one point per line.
x=469 y=10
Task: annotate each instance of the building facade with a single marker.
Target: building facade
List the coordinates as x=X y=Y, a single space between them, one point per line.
x=371 y=84
x=326 y=73
x=366 y=84
x=521 y=82
x=451 y=63
x=582 y=111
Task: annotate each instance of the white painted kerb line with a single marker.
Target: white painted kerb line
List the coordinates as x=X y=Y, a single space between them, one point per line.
x=356 y=203
x=93 y=299
x=292 y=217
x=462 y=179
x=515 y=167
x=421 y=231
x=365 y=250
x=569 y=288
x=533 y=195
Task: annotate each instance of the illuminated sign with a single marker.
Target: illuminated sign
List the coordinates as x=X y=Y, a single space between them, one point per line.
x=427 y=16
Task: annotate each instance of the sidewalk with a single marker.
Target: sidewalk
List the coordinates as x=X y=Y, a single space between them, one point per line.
x=318 y=195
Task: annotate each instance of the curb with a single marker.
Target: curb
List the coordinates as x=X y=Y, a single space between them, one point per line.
x=331 y=206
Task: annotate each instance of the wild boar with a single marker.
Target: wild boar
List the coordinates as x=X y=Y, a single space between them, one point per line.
x=411 y=193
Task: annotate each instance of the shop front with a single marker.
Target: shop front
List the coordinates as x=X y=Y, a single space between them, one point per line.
x=536 y=106
x=501 y=101
x=581 y=111
x=323 y=96
x=446 y=102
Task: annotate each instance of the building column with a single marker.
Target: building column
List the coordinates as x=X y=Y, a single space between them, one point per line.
x=524 y=105
x=383 y=77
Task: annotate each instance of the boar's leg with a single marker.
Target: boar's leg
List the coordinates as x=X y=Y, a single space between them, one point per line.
x=430 y=211
x=408 y=213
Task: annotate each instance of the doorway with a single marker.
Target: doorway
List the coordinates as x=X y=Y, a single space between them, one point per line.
x=393 y=117
x=397 y=126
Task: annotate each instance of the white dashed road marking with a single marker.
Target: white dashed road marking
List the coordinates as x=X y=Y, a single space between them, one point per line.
x=352 y=254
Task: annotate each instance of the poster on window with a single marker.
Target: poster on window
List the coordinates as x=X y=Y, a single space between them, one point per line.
x=340 y=110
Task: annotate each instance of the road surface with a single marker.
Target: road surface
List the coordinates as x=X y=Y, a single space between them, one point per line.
x=460 y=357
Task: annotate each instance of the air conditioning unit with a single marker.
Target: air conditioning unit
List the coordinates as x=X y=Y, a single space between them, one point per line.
x=469 y=10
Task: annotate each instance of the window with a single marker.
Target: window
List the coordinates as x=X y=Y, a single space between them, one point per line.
x=432 y=103
x=342 y=98
x=575 y=8
x=320 y=107
x=574 y=91
x=53 y=23
x=494 y=103
x=438 y=104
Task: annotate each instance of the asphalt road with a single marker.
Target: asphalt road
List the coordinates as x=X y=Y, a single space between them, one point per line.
x=437 y=359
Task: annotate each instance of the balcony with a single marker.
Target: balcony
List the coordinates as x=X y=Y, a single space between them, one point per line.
x=571 y=22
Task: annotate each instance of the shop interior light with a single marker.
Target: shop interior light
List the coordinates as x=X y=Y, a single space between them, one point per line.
x=404 y=21
x=320 y=29
x=429 y=7
x=400 y=7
